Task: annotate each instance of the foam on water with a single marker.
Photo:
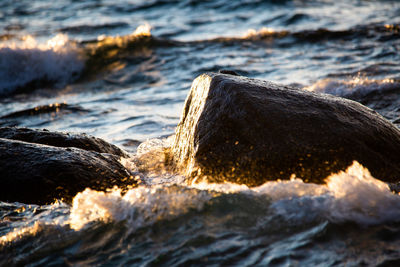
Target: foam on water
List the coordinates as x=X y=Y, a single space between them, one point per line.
x=208 y=209
x=359 y=85
x=357 y=196
x=264 y=32
x=58 y=61
x=139 y=207
x=353 y=196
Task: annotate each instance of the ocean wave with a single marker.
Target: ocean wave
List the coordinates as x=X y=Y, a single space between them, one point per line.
x=106 y=52
x=353 y=196
x=350 y=196
x=43 y=109
x=381 y=32
x=139 y=207
x=27 y=65
x=355 y=88
x=269 y=211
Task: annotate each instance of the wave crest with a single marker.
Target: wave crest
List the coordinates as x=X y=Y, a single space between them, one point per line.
x=357 y=86
x=349 y=196
x=28 y=64
x=353 y=195
x=139 y=207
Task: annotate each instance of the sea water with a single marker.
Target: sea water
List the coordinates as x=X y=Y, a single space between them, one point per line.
x=121 y=70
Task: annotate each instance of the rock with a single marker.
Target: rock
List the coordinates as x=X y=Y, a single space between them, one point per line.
x=248 y=131
x=38 y=174
x=59 y=139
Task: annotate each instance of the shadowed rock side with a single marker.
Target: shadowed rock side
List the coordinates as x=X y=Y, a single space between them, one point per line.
x=249 y=131
x=38 y=174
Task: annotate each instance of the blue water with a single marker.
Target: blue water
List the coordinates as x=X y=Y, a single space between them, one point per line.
x=121 y=70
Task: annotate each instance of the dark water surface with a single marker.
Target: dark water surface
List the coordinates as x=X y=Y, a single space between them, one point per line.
x=96 y=67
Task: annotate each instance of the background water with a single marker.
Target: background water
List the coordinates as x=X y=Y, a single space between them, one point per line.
x=96 y=67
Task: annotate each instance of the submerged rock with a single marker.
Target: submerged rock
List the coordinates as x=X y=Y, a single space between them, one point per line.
x=249 y=131
x=34 y=173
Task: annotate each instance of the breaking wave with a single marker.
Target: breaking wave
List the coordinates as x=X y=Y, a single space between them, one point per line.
x=355 y=87
x=26 y=64
x=196 y=220
x=350 y=196
x=353 y=196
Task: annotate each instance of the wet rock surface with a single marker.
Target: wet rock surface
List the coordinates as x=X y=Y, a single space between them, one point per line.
x=34 y=173
x=249 y=131
x=60 y=139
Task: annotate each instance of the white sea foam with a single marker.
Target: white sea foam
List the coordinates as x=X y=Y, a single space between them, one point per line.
x=57 y=61
x=264 y=31
x=350 y=196
x=359 y=197
x=139 y=207
x=356 y=85
x=353 y=195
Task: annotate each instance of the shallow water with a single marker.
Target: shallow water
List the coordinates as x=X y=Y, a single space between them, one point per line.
x=121 y=70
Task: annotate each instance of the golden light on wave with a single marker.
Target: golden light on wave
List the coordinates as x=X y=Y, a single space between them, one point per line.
x=263 y=32
x=393 y=28
x=358 y=80
x=143 y=30
x=20 y=233
x=101 y=206
x=58 y=43
x=27 y=42
x=359 y=83
x=120 y=41
x=355 y=174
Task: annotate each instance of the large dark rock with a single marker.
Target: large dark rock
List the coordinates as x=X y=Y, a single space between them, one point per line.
x=39 y=174
x=249 y=131
x=60 y=139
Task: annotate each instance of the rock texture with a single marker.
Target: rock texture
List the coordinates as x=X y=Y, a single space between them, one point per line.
x=38 y=174
x=59 y=139
x=249 y=131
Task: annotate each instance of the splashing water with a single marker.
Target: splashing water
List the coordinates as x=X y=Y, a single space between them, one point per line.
x=28 y=64
x=350 y=196
x=353 y=195
x=138 y=207
x=143 y=30
x=31 y=64
x=131 y=85
x=57 y=43
x=264 y=32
